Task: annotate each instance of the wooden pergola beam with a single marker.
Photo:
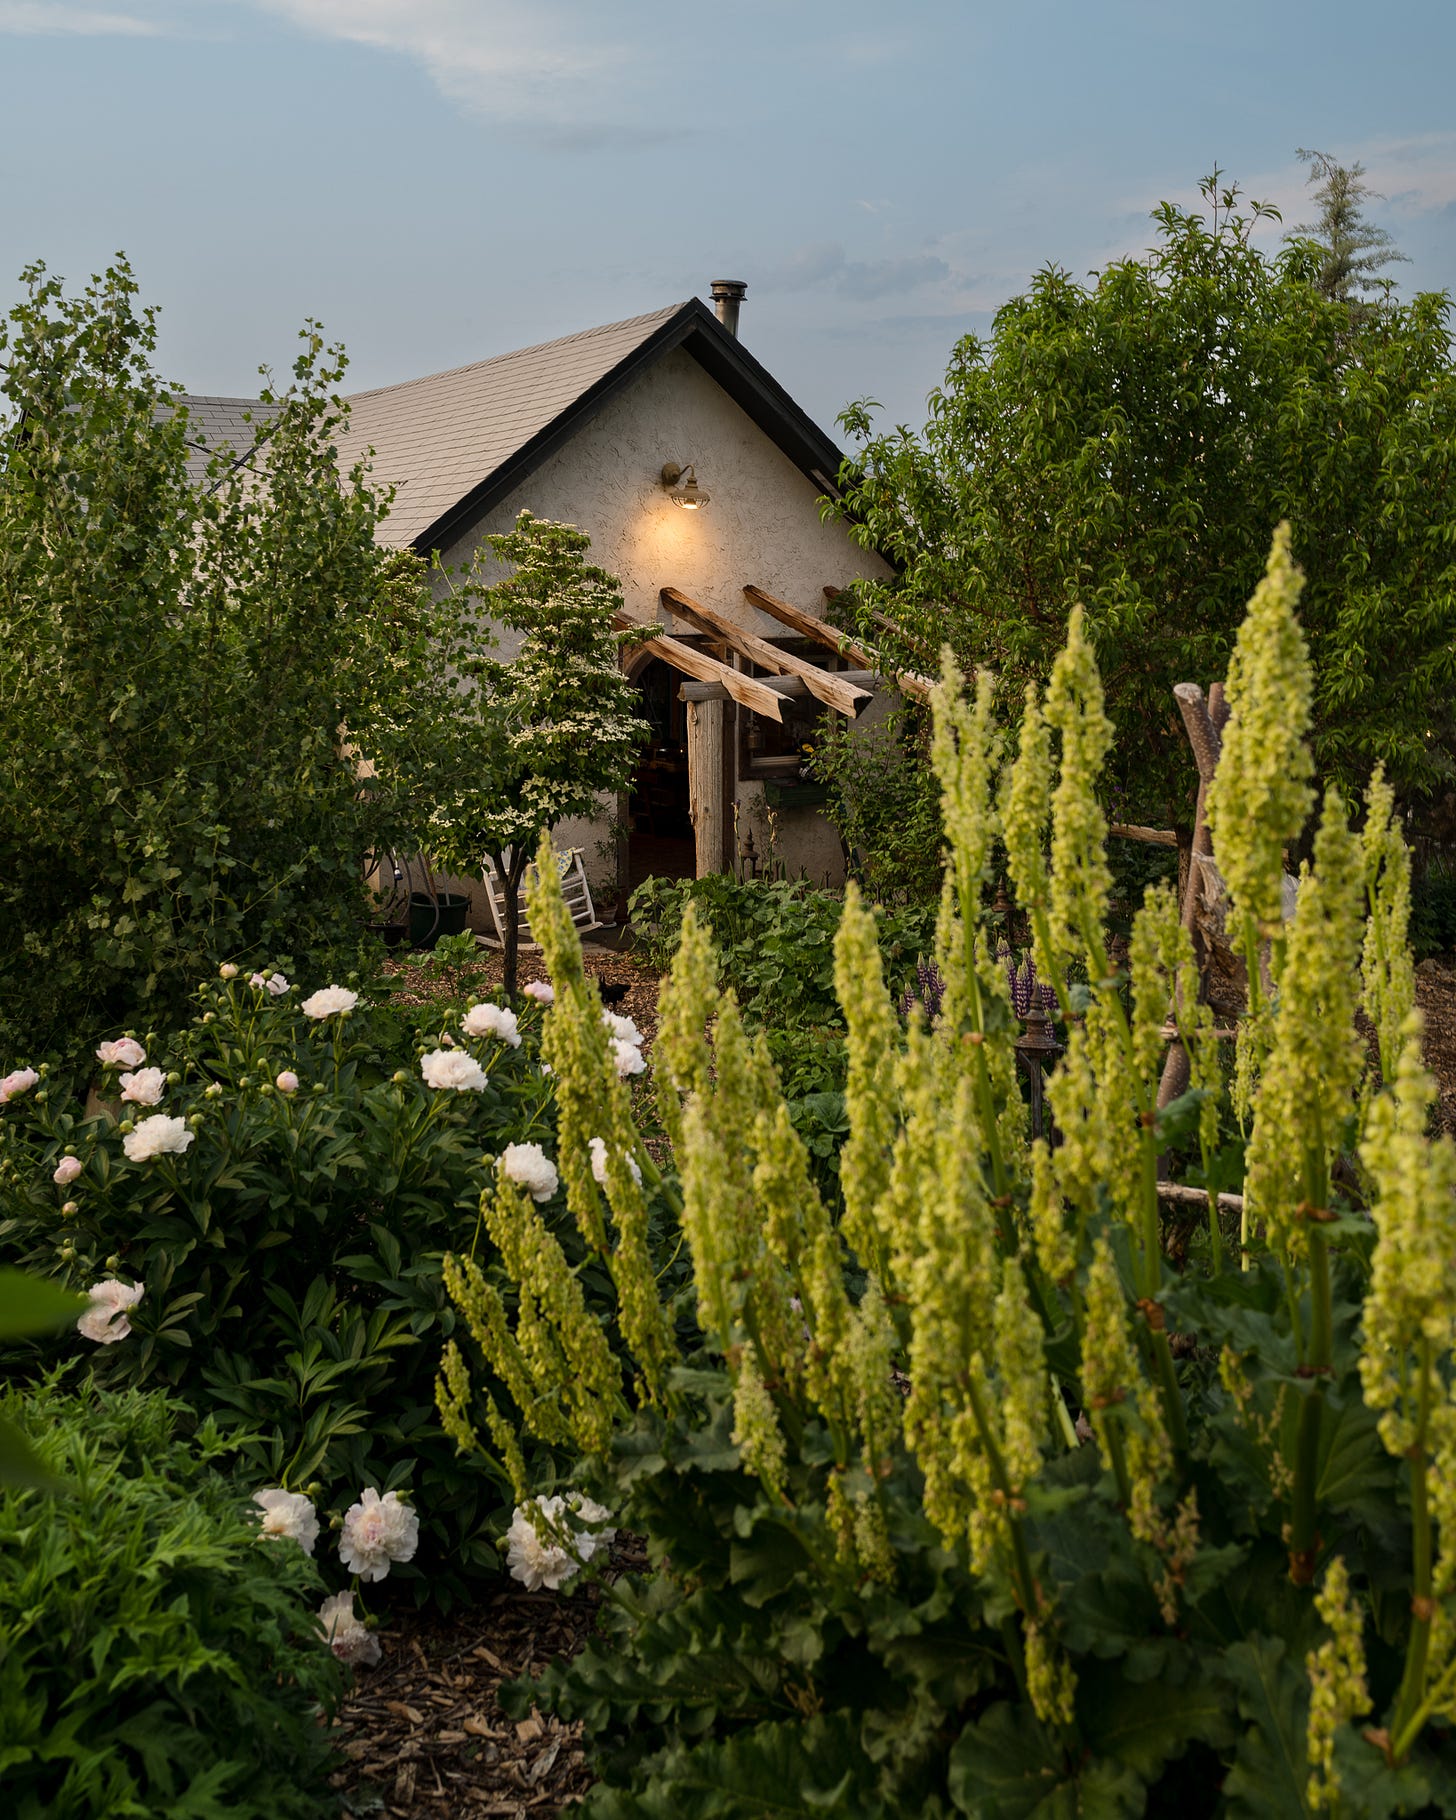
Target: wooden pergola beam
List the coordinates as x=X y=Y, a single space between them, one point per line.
x=702 y=668
x=807 y=625
x=846 y=698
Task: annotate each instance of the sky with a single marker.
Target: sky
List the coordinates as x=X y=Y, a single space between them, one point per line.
x=437 y=181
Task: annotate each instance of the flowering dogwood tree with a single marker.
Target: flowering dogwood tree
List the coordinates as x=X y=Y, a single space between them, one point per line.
x=558 y=727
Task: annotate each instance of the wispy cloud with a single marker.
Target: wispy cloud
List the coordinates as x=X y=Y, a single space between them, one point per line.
x=42 y=19
x=557 y=68
x=824 y=265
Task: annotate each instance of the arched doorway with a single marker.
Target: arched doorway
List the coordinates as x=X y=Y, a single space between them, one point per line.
x=659 y=828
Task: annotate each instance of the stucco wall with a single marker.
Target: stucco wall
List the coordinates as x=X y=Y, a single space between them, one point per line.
x=762 y=525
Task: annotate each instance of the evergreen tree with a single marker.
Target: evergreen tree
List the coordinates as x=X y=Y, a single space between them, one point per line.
x=1352 y=249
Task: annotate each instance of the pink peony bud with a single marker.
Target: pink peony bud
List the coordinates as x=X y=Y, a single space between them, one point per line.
x=227 y=971
x=287 y=1082
x=66 y=1171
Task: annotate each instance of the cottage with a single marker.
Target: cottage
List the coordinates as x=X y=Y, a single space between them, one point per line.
x=697 y=478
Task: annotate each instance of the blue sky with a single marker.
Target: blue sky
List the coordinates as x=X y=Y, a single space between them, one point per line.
x=439 y=180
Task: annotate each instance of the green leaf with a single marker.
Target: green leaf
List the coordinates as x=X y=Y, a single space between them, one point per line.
x=1007 y=1767
x=31 y=1305
x=1271 y=1768
x=1146 y=1724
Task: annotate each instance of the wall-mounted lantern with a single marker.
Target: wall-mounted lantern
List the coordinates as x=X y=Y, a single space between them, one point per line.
x=682 y=486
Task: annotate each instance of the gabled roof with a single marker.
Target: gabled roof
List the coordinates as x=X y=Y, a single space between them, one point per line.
x=214 y=423
x=455 y=443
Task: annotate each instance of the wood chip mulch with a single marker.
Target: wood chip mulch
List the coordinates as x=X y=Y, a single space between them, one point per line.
x=415 y=984
x=423 y=1734
x=1436 y=996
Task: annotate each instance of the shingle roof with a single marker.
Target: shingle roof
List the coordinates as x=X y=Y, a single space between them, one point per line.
x=215 y=422
x=451 y=443
x=438 y=438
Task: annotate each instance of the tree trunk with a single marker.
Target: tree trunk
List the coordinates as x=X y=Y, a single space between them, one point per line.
x=510 y=881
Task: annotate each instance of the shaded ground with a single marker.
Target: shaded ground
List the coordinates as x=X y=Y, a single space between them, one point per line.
x=424 y=1733
x=1436 y=996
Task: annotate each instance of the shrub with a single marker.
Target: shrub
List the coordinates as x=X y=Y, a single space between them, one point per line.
x=894 y=1575
x=290 y=1255
x=155 y=1657
x=882 y=798
x=180 y=661
x=775 y=938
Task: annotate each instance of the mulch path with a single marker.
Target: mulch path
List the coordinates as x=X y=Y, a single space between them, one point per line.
x=424 y=1733
x=1436 y=996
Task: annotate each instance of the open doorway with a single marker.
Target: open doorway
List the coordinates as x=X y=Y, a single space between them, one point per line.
x=659 y=829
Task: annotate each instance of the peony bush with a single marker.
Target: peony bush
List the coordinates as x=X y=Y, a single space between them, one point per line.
x=258 y=1207
x=971 y=1502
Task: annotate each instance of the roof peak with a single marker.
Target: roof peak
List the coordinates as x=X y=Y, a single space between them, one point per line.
x=654 y=318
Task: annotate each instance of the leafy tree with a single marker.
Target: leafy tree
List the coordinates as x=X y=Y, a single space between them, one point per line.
x=190 y=676
x=1131 y=442
x=1352 y=249
x=556 y=726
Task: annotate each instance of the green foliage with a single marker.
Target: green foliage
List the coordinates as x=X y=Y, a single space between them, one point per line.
x=1351 y=249
x=291 y=1254
x=883 y=799
x=156 y=1658
x=1131 y=442
x=891 y=1574
x=182 y=665
x=776 y=941
x=558 y=725
x=28 y=1306
x=1433 y=910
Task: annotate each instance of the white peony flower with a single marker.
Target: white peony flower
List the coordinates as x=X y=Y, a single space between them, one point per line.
x=446 y=1068
x=539 y=990
x=536 y=1559
x=598 y=1149
x=377 y=1531
x=66 y=1171
x=18 y=1081
x=145 y=1087
x=157 y=1136
x=498 y=1021
x=290 y=1514
x=106 y=1319
x=329 y=1000
x=125 y=1052
x=351 y=1641
x=622 y=1028
x=287 y=1081
x=529 y=1167
x=228 y=971
x=627 y=1058
x=270 y=982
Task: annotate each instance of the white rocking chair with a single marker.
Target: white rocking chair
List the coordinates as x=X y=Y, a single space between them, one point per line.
x=574 y=888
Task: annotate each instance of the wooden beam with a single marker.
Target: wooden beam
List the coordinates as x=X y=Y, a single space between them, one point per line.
x=1153 y=837
x=833 y=691
x=808 y=626
x=707 y=669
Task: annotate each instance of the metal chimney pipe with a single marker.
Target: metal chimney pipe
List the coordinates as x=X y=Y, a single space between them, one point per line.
x=727 y=296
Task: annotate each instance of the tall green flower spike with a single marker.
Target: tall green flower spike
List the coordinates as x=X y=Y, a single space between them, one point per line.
x=1081 y=881
x=872 y=1042
x=1338 y=1690
x=1260 y=795
x=1024 y=817
x=1386 y=968
x=966 y=752
x=686 y=1006
x=1314 y=1064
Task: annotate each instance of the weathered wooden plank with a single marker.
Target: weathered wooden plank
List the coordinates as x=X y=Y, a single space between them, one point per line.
x=846 y=698
x=705 y=783
x=702 y=668
x=1153 y=837
x=808 y=626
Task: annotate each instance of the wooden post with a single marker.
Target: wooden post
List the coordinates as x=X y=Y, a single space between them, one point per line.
x=705 y=781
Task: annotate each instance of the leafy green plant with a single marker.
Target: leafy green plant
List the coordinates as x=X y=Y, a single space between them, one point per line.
x=971 y=1502
x=156 y=1657
x=180 y=655
x=1129 y=440
x=28 y=1306
x=287 y=1237
x=883 y=799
